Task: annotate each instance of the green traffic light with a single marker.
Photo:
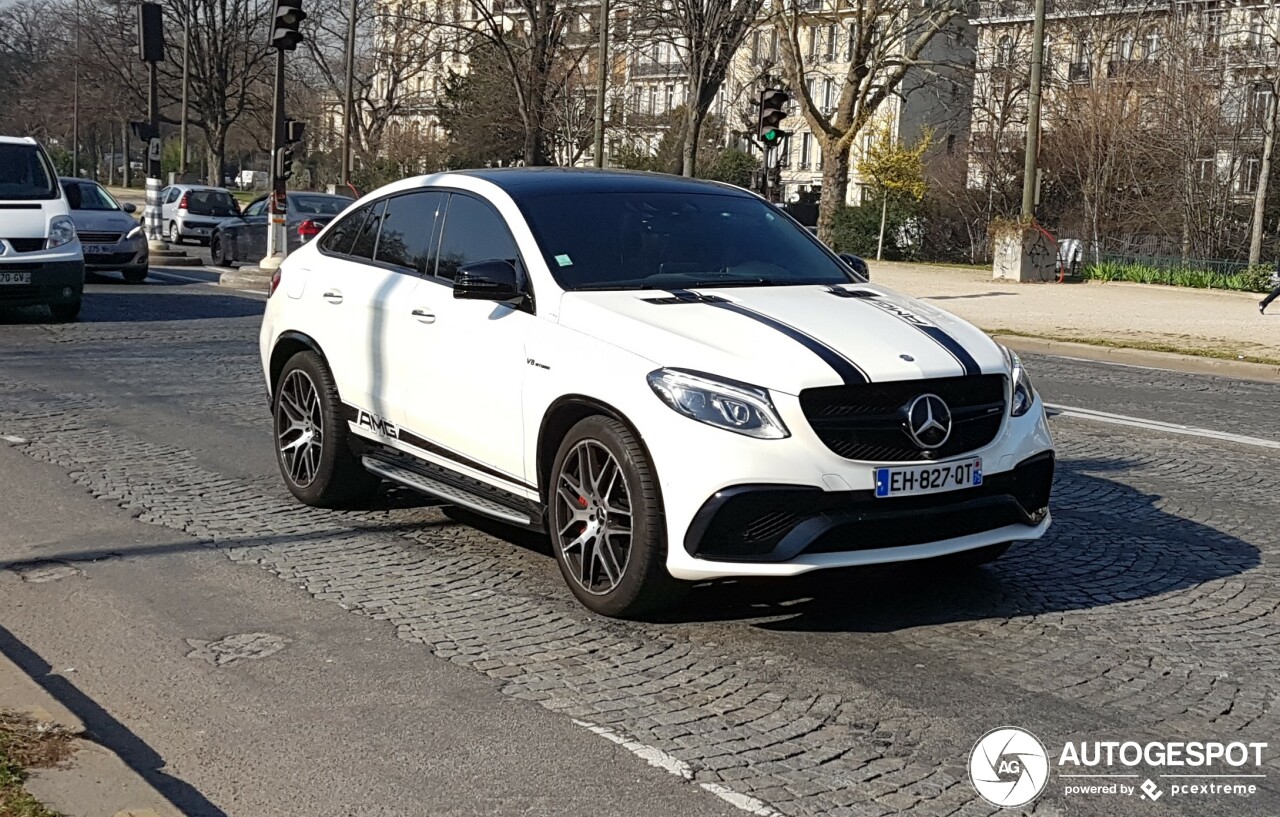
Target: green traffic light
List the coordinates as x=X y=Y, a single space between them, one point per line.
x=771 y=136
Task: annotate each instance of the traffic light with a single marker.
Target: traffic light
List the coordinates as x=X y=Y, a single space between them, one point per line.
x=150 y=32
x=142 y=131
x=773 y=109
x=284 y=162
x=284 y=27
x=293 y=130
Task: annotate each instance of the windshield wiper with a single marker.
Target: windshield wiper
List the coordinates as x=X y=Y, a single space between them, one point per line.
x=737 y=282
x=601 y=287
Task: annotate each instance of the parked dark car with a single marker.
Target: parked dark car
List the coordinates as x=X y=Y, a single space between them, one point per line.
x=244 y=240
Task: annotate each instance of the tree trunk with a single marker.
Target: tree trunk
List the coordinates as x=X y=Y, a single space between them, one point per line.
x=692 y=133
x=1260 y=195
x=835 y=183
x=126 y=168
x=884 y=217
x=216 y=141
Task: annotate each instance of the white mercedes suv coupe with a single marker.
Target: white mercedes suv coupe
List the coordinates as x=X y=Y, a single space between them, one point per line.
x=672 y=378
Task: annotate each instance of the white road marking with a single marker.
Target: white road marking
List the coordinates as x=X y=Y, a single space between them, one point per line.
x=9 y=438
x=745 y=802
x=1156 y=425
x=186 y=278
x=674 y=765
x=252 y=291
x=653 y=756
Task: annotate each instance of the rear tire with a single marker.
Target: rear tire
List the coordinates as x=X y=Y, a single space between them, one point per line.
x=606 y=522
x=313 y=442
x=65 y=312
x=175 y=237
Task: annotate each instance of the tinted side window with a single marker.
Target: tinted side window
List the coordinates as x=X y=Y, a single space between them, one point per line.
x=407 y=230
x=257 y=208
x=343 y=235
x=368 y=237
x=472 y=232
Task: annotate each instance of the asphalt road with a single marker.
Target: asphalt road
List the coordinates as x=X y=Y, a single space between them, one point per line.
x=255 y=657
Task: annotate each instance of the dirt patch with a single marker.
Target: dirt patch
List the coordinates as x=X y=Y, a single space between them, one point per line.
x=27 y=744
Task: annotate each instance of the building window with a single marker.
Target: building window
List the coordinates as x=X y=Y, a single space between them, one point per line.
x=1257 y=30
x=1207 y=168
x=755 y=46
x=806 y=146
x=1259 y=105
x=1249 y=175
x=1151 y=44
x=833 y=40
x=1124 y=48
x=671 y=97
x=773 y=46
x=1004 y=52
x=828 y=94
x=815 y=35
x=1212 y=29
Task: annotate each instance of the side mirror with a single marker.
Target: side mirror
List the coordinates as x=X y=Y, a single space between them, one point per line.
x=129 y=207
x=487 y=281
x=857 y=264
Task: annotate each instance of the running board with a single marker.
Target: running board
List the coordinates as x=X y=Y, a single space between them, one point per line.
x=415 y=478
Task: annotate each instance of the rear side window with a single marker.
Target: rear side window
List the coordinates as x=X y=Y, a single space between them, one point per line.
x=408 y=228
x=210 y=203
x=367 y=239
x=473 y=231
x=25 y=173
x=342 y=236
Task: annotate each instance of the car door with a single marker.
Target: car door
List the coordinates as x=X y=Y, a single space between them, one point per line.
x=344 y=289
x=251 y=236
x=464 y=361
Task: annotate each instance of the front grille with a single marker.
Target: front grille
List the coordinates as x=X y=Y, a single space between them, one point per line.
x=866 y=422
x=110 y=258
x=99 y=238
x=26 y=244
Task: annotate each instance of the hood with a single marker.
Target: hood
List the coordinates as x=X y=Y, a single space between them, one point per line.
x=787 y=338
x=29 y=219
x=103 y=221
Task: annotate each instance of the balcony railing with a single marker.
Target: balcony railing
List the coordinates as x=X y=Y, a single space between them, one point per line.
x=1003 y=9
x=650 y=68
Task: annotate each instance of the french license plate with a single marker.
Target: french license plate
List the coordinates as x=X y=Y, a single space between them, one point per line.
x=98 y=249
x=913 y=480
x=15 y=277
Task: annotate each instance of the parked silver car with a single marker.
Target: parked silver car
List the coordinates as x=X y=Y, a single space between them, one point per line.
x=112 y=238
x=194 y=211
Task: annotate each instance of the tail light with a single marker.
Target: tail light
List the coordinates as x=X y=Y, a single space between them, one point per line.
x=182 y=204
x=308 y=230
x=275 y=283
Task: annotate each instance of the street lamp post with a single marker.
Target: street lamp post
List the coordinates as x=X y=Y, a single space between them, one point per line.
x=186 y=84
x=75 y=102
x=1033 y=115
x=603 y=78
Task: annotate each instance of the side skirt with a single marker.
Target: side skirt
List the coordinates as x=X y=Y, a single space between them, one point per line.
x=458 y=489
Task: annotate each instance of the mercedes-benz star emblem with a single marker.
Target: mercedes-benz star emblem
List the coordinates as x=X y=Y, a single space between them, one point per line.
x=928 y=421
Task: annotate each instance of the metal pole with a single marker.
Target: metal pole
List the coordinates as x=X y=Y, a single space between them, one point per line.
x=603 y=80
x=1033 y=115
x=155 y=230
x=276 y=247
x=348 y=108
x=186 y=84
x=75 y=102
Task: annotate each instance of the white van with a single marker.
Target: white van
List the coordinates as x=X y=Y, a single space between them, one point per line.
x=41 y=261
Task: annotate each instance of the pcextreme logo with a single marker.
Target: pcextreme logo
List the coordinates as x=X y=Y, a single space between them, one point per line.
x=1009 y=767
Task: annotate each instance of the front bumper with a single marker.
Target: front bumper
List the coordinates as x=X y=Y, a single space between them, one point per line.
x=777 y=523
x=128 y=253
x=54 y=281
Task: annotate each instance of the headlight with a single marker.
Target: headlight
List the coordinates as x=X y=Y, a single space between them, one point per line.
x=724 y=404
x=1023 y=394
x=135 y=232
x=61 y=231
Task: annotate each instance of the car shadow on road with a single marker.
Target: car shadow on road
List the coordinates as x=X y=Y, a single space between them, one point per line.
x=1110 y=543
x=141 y=305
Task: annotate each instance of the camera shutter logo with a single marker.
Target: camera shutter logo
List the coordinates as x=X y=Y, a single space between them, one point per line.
x=1009 y=767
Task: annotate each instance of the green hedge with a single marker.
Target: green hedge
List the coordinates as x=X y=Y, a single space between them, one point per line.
x=1253 y=279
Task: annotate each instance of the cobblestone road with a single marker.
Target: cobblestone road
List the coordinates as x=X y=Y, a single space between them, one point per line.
x=1148 y=613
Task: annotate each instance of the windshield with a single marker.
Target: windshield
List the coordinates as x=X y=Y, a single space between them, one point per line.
x=211 y=203
x=673 y=240
x=88 y=196
x=317 y=205
x=25 y=173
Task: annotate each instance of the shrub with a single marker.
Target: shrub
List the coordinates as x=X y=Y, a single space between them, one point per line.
x=1254 y=279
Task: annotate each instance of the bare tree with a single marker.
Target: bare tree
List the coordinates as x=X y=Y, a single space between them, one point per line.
x=886 y=40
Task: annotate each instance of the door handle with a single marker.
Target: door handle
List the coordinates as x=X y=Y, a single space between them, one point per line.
x=333 y=296
x=424 y=316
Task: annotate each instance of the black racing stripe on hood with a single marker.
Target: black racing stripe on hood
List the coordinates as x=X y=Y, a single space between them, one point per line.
x=939 y=335
x=849 y=371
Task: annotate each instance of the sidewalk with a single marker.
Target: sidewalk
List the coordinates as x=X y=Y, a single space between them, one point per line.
x=1213 y=323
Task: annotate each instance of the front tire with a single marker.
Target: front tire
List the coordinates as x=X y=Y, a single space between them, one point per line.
x=606 y=522
x=313 y=443
x=216 y=256
x=65 y=312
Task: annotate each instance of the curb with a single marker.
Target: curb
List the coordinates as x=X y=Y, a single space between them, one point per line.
x=95 y=781
x=246 y=278
x=1193 y=364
